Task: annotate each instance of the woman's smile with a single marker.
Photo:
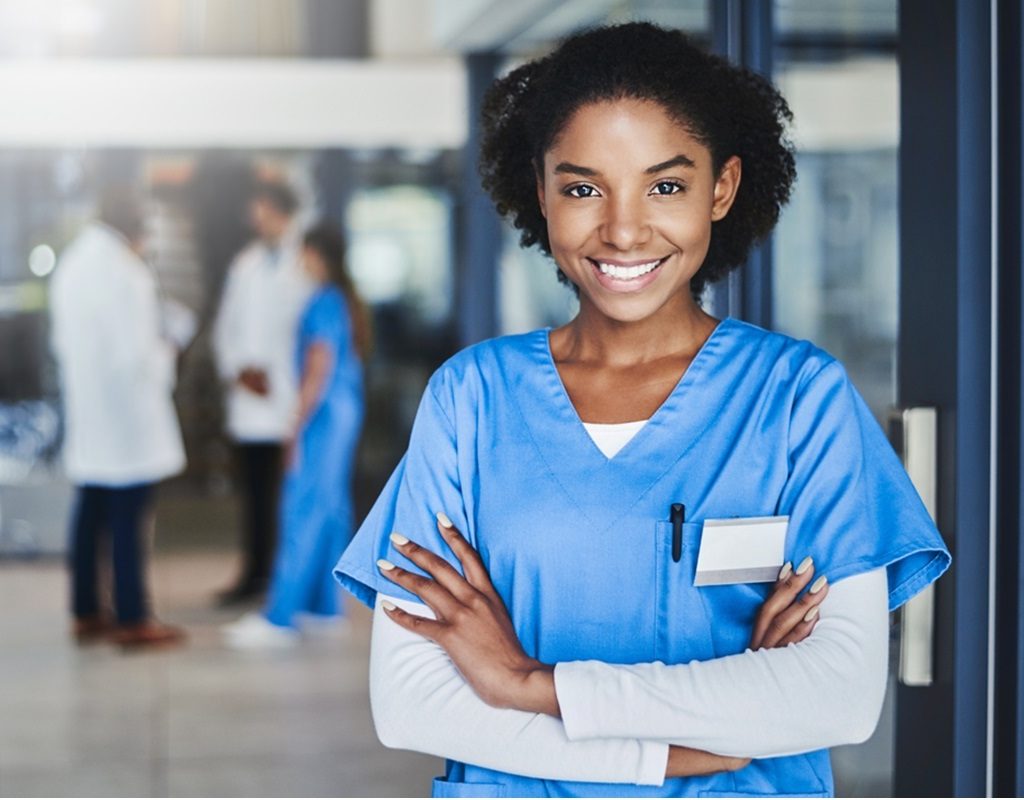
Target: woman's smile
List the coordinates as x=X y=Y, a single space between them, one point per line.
x=626 y=276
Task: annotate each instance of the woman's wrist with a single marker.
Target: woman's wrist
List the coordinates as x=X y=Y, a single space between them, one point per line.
x=535 y=691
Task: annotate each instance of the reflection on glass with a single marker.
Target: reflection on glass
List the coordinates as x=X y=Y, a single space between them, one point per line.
x=836 y=249
x=400 y=248
x=400 y=257
x=847 y=18
x=836 y=256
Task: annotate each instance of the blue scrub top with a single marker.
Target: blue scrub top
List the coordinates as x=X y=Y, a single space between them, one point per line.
x=326 y=321
x=579 y=545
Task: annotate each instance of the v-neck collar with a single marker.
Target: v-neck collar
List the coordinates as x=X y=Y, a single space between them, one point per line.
x=571 y=415
x=589 y=478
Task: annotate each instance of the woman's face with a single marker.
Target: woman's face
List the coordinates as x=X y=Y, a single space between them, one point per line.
x=629 y=197
x=314 y=265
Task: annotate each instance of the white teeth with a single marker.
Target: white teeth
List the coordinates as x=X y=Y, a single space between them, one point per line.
x=626 y=273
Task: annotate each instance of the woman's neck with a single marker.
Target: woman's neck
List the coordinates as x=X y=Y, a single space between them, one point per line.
x=593 y=337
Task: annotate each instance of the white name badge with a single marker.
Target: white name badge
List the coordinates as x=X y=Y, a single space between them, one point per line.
x=741 y=550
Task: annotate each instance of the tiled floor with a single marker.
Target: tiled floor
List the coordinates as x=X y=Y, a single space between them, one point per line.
x=196 y=721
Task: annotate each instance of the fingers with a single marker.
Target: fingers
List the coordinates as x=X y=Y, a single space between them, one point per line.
x=465 y=590
x=429 y=628
x=803 y=611
x=438 y=598
x=435 y=566
x=689 y=762
x=801 y=631
x=790 y=583
x=472 y=564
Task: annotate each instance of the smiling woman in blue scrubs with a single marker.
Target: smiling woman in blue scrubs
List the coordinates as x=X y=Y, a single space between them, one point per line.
x=541 y=620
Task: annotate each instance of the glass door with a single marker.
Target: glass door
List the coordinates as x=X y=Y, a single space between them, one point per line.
x=835 y=254
x=890 y=257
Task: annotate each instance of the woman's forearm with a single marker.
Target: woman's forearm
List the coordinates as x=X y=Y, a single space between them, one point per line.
x=420 y=702
x=824 y=691
x=318 y=362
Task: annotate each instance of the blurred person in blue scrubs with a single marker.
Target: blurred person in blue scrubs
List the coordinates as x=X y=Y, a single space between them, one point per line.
x=122 y=436
x=253 y=339
x=316 y=506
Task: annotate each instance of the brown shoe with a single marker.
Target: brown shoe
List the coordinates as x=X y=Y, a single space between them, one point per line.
x=91 y=629
x=147 y=634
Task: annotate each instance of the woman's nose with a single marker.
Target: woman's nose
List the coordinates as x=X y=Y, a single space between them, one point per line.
x=624 y=226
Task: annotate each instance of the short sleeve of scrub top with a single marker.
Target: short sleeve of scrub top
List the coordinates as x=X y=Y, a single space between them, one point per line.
x=424 y=483
x=325 y=322
x=851 y=505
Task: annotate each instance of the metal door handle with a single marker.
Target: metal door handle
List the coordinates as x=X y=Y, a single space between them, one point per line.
x=914 y=434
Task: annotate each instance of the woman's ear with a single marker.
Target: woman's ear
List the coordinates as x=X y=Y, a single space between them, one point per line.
x=726 y=186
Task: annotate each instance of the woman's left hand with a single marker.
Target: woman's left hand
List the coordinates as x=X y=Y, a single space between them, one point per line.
x=473 y=625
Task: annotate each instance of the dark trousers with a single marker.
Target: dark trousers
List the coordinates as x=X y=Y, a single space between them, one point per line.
x=260 y=468
x=121 y=512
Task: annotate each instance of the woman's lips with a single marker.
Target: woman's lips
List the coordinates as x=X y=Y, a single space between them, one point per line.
x=617 y=276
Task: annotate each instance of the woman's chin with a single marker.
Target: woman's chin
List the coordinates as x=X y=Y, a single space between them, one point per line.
x=626 y=310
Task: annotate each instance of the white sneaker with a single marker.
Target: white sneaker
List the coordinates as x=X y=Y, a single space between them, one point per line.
x=255 y=632
x=325 y=627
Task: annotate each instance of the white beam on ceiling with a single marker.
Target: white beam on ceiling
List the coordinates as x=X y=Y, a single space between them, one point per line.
x=186 y=103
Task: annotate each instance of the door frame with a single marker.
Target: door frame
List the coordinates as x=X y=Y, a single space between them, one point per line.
x=948 y=356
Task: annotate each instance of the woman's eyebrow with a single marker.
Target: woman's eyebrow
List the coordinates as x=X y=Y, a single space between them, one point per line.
x=677 y=161
x=680 y=160
x=575 y=169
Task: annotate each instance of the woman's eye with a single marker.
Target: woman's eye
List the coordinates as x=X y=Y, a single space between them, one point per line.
x=581 y=190
x=667 y=187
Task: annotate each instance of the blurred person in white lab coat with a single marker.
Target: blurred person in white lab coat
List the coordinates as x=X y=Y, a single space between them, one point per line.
x=254 y=339
x=122 y=436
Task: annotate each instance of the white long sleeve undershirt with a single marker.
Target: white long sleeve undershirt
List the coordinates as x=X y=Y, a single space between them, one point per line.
x=421 y=702
x=618 y=719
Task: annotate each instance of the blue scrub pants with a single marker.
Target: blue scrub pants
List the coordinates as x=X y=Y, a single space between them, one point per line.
x=121 y=511
x=316 y=516
x=302 y=581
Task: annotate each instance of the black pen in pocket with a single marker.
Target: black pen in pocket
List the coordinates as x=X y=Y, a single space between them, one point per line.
x=678 y=517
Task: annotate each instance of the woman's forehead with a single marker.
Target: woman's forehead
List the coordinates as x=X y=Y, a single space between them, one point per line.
x=625 y=130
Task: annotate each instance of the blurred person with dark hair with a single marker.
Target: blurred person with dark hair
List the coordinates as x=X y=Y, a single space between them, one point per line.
x=122 y=435
x=317 y=512
x=253 y=339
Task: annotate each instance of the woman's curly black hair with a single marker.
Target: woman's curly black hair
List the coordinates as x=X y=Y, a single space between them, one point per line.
x=728 y=109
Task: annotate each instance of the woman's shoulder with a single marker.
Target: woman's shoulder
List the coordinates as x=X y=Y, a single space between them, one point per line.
x=491 y=361
x=781 y=355
x=326 y=300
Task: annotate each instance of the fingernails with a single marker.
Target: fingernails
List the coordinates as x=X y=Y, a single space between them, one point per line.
x=398 y=539
x=786 y=571
x=804 y=565
x=818 y=585
x=384 y=564
x=810 y=615
x=443 y=519
x=387 y=605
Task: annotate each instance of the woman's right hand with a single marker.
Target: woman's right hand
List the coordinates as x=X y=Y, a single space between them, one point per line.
x=785 y=618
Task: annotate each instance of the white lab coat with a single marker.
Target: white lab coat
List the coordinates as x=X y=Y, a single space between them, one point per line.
x=264 y=294
x=117 y=370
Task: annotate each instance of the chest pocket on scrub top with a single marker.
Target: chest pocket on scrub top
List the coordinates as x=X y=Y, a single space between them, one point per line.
x=683 y=626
